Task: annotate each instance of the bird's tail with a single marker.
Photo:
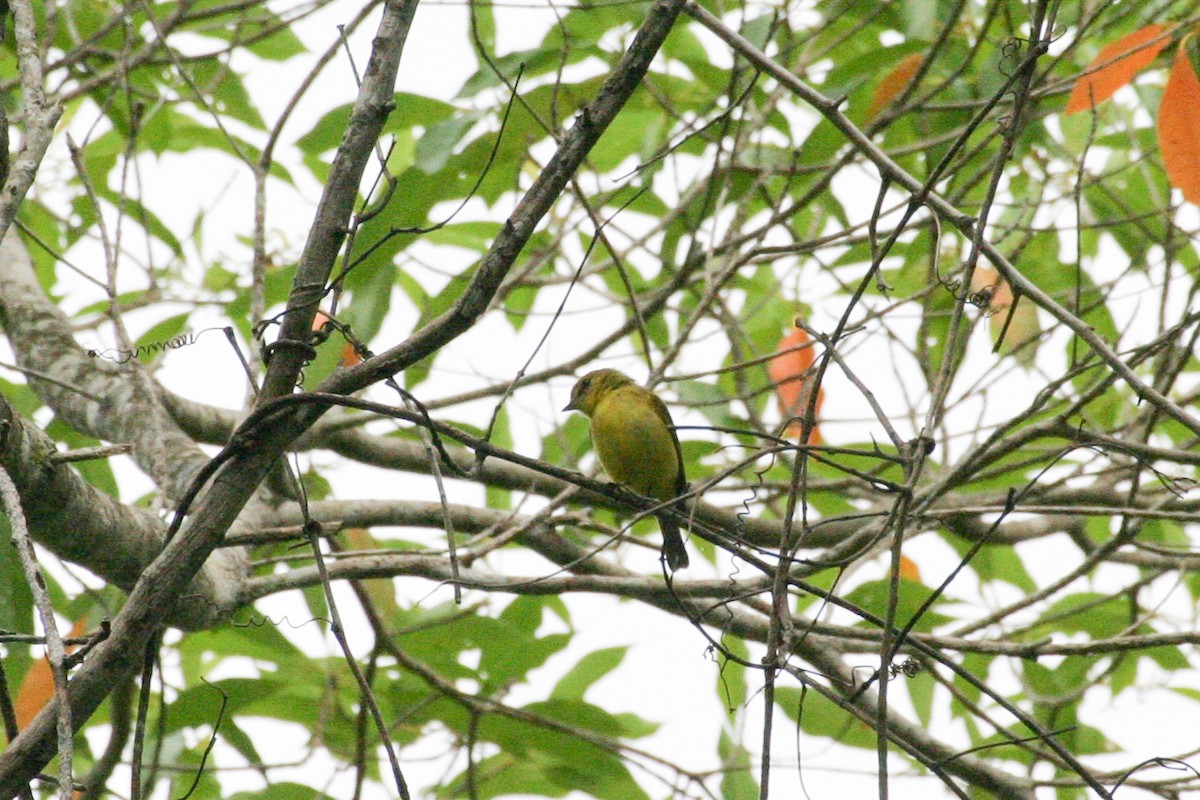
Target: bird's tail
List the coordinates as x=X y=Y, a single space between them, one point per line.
x=673 y=550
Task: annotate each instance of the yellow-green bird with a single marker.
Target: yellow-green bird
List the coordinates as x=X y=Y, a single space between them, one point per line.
x=633 y=436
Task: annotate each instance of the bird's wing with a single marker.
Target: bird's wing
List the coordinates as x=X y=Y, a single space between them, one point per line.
x=660 y=408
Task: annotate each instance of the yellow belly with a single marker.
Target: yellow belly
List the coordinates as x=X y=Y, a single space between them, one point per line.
x=634 y=445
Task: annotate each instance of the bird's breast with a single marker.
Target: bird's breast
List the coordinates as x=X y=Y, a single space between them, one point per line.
x=635 y=448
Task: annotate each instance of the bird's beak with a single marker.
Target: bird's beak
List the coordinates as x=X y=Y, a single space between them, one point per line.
x=570 y=406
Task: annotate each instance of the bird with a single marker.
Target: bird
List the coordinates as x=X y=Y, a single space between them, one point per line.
x=634 y=438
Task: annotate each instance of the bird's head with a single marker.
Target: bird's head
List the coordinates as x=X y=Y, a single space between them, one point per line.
x=589 y=389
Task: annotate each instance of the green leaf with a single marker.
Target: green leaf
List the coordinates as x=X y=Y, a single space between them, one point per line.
x=16 y=605
x=509 y=647
x=474 y=236
x=1101 y=616
x=590 y=669
x=977 y=665
x=161 y=337
x=283 y=791
x=370 y=300
x=921 y=691
x=732 y=687
x=499 y=497
x=636 y=132
x=554 y=760
x=819 y=717
x=228 y=94
x=996 y=563
x=440 y=140
x=254 y=637
x=873 y=597
x=95 y=471
x=254 y=28
x=737 y=775
x=709 y=400
x=483 y=27
x=411 y=111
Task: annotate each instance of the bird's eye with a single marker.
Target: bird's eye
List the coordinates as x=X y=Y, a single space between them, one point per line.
x=584 y=385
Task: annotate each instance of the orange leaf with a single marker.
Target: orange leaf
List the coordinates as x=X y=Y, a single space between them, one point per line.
x=814 y=435
x=1022 y=328
x=894 y=82
x=998 y=292
x=909 y=569
x=790 y=372
x=38 y=686
x=989 y=287
x=1115 y=67
x=1179 y=126
x=349 y=356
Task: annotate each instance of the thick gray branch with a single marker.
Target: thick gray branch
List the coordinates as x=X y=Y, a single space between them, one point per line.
x=371 y=109
x=90 y=394
x=67 y=515
x=157 y=593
